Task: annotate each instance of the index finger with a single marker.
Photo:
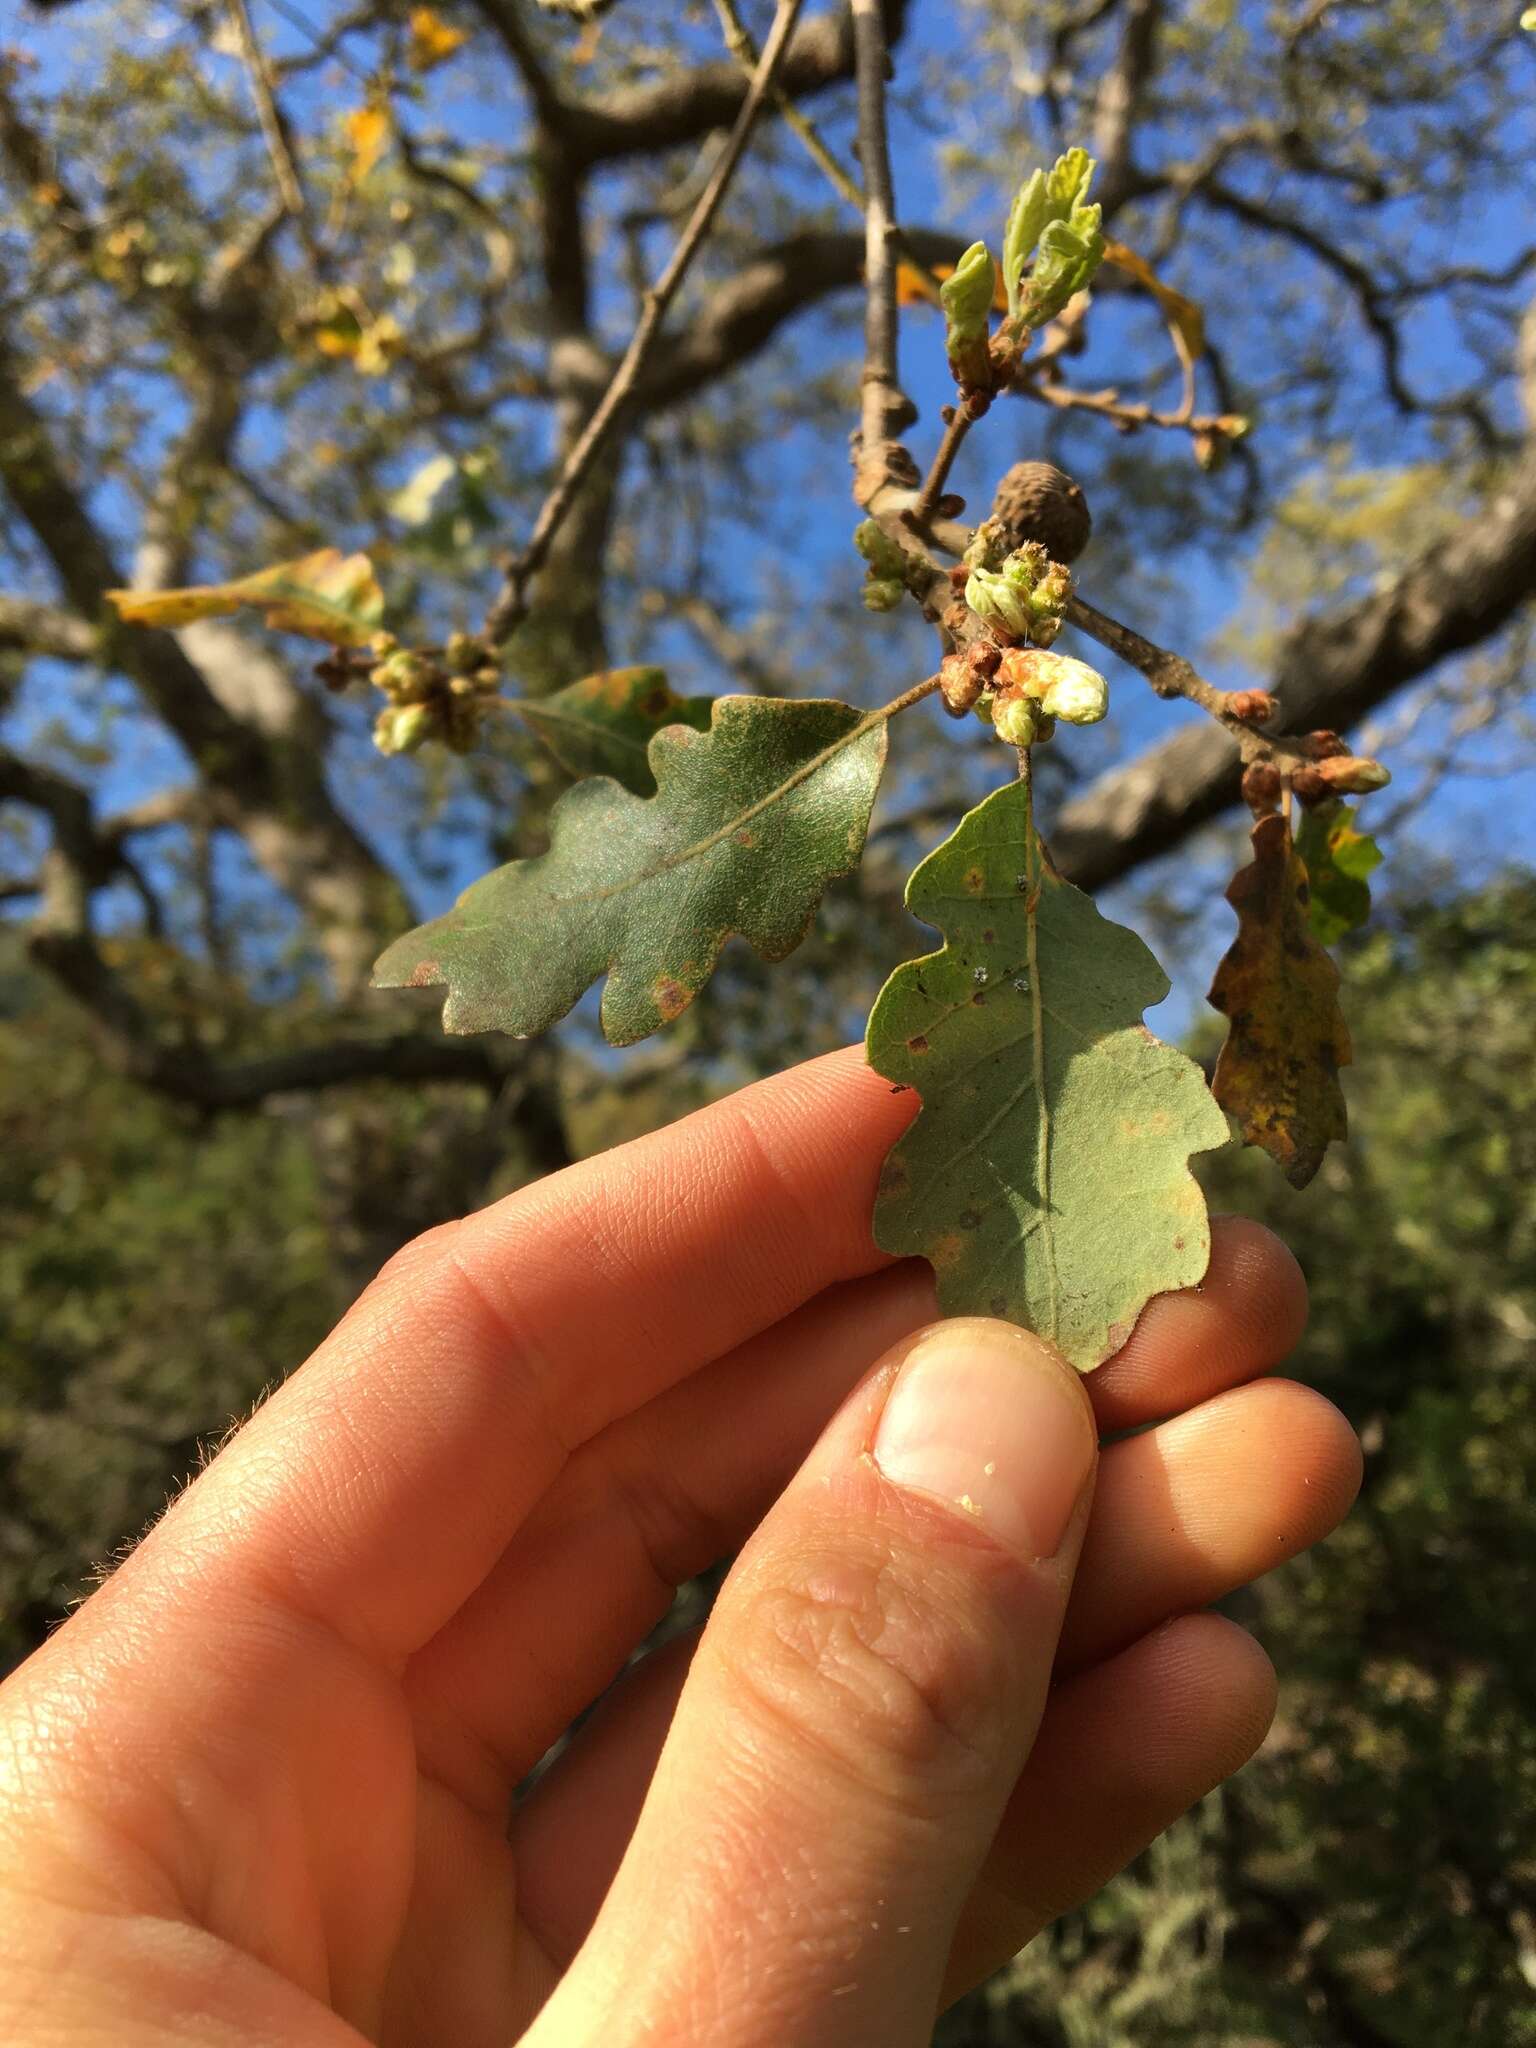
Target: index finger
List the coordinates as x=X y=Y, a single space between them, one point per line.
x=382 y=1482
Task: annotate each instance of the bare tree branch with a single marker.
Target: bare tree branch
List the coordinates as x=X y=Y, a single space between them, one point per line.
x=1335 y=668
x=1118 y=103
x=743 y=314
x=185 y=1073
x=727 y=643
x=27 y=627
x=267 y=785
x=511 y=605
x=885 y=408
x=274 y=130
x=84 y=857
x=1369 y=297
x=742 y=47
x=680 y=107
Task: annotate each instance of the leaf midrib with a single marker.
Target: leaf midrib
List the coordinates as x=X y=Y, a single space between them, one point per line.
x=700 y=847
x=1034 y=871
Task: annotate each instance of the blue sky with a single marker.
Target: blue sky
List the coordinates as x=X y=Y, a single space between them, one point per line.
x=1473 y=823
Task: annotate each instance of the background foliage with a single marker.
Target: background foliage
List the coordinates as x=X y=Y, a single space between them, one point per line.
x=209 y=1138
x=1370 y=1879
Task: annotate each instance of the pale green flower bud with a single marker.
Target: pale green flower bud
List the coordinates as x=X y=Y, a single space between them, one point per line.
x=989 y=546
x=886 y=557
x=404 y=678
x=883 y=593
x=403 y=730
x=1068 y=182
x=1354 y=774
x=1073 y=691
x=1015 y=722
x=966 y=296
x=991 y=596
x=1043 y=587
x=1027 y=566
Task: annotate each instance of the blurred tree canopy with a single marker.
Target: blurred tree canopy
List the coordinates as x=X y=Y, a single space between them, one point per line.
x=307 y=273
x=1370 y=1879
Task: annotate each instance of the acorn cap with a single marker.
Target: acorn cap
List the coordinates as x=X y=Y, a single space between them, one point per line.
x=1037 y=501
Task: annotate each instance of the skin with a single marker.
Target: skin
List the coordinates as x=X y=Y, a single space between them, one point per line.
x=256 y=1789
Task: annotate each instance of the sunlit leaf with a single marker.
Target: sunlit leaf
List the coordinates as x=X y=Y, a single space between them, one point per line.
x=378 y=345
x=1337 y=859
x=604 y=724
x=1186 y=322
x=1046 y=1177
x=412 y=504
x=337 y=332
x=430 y=40
x=749 y=823
x=326 y=596
x=367 y=130
x=1278 y=1072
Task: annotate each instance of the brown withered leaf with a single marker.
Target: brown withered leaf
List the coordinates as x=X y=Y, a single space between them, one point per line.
x=1278 y=1073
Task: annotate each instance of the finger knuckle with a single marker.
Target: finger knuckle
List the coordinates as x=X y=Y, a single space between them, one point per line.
x=877 y=1673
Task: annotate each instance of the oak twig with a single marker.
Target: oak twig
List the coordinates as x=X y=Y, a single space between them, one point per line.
x=1130 y=414
x=884 y=407
x=511 y=606
x=1171 y=675
x=273 y=131
x=958 y=422
x=738 y=41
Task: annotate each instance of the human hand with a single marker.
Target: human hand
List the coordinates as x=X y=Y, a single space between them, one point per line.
x=257 y=1787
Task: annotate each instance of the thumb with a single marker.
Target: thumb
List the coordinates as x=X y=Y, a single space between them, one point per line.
x=863 y=1699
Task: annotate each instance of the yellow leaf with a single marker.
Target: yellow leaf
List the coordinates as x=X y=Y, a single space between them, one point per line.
x=432 y=40
x=414 y=500
x=1186 y=322
x=336 y=340
x=367 y=133
x=378 y=345
x=122 y=241
x=326 y=596
x=910 y=290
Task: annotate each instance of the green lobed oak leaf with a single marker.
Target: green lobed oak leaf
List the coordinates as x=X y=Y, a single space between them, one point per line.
x=1046 y=1177
x=326 y=596
x=749 y=823
x=1337 y=859
x=603 y=724
x=1278 y=1072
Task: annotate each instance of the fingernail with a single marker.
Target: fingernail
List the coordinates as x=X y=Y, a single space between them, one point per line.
x=984 y=1418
